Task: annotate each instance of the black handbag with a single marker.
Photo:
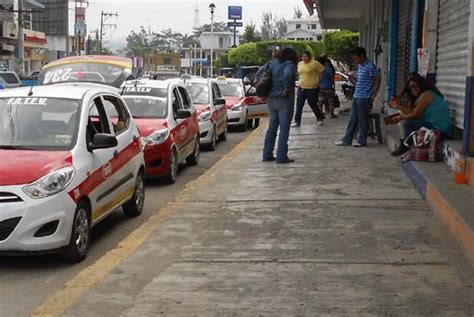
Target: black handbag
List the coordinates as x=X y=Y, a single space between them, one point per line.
x=264 y=82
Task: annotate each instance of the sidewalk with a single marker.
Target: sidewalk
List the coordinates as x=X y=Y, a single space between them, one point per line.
x=342 y=231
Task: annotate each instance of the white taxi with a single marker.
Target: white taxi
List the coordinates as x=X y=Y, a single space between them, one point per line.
x=210 y=105
x=233 y=91
x=71 y=154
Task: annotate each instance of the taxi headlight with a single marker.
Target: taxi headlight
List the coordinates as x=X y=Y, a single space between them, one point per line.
x=50 y=184
x=205 y=116
x=237 y=107
x=157 y=137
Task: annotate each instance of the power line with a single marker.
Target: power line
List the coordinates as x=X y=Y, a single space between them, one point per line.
x=104 y=16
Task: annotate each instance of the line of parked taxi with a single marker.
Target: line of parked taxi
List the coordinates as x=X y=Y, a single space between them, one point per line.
x=82 y=143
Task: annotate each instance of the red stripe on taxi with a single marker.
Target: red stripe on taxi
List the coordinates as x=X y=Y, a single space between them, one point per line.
x=96 y=178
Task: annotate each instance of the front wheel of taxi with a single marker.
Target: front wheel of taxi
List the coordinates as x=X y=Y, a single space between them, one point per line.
x=172 y=175
x=193 y=159
x=213 y=145
x=134 y=207
x=78 y=246
x=223 y=136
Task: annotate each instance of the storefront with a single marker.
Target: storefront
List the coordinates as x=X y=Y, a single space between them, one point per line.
x=35 y=50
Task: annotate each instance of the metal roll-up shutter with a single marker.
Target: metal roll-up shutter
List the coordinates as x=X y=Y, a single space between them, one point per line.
x=452 y=54
x=405 y=29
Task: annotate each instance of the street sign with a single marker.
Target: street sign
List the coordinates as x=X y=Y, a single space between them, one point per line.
x=235 y=24
x=235 y=13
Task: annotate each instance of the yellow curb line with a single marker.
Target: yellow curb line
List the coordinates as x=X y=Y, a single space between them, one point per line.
x=67 y=295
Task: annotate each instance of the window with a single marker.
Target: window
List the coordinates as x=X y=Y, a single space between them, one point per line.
x=300 y=39
x=314 y=26
x=117 y=113
x=320 y=37
x=187 y=104
x=221 y=42
x=176 y=101
x=216 y=93
x=97 y=122
x=298 y=26
x=291 y=38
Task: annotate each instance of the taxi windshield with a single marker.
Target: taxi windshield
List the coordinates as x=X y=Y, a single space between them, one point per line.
x=147 y=106
x=84 y=72
x=199 y=93
x=38 y=123
x=229 y=89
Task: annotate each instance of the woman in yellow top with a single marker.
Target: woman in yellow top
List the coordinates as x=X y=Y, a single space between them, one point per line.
x=310 y=72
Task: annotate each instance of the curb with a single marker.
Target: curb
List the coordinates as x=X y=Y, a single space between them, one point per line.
x=449 y=216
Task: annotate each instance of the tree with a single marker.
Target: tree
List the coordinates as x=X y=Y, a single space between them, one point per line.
x=298 y=14
x=339 y=44
x=218 y=27
x=250 y=33
x=260 y=52
x=273 y=27
x=141 y=42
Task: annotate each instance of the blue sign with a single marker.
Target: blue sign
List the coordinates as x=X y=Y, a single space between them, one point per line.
x=235 y=13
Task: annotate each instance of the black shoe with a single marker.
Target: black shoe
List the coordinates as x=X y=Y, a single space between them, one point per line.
x=285 y=161
x=402 y=149
x=271 y=159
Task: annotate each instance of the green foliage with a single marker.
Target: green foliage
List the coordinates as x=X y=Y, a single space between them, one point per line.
x=338 y=45
x=260 y=52
x=222 y=61
x=250 y=33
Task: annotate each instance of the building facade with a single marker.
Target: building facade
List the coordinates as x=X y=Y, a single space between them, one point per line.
x=432 y=37
x=34 y=42
x=304 y=29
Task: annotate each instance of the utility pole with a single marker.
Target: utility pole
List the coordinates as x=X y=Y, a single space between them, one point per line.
x=21 y=38
x=103 y=18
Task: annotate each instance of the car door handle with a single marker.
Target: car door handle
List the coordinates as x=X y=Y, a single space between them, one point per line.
x=116 y=154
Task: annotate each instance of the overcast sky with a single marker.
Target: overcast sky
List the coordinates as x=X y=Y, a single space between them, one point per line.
x=178 y=14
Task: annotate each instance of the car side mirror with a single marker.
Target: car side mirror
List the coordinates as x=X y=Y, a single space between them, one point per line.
x=247 y=81
x=219 y=101
x=183 y=114
x=2 y=87
x=250 y=92
x=103 y=141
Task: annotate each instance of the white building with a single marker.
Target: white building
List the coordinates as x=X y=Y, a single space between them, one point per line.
x=220 y=41
x=304 y=29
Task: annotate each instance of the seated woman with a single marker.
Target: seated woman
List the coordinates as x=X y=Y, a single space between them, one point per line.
x=425 y=107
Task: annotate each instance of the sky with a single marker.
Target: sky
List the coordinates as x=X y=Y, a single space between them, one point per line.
x=177 y=14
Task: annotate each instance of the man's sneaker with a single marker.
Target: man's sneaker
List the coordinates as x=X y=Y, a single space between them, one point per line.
x=285 y=161
x=296 y=125
x=357 y=144
x=320 y=122
x=340 y=143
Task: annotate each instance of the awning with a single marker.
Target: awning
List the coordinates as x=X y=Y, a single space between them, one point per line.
x=340 y=14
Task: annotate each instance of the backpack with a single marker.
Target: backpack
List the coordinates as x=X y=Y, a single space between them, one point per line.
x=264 y=82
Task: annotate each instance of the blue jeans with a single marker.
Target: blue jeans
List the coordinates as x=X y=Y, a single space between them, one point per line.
x=358 y=121
x=280 y=117
x=312 y=95
x=413 y=125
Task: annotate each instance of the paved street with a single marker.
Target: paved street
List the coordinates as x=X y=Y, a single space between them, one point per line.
x=27 y=281
x=340 y=232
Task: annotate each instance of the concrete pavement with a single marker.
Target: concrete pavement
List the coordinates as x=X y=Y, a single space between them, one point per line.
x=342 y=231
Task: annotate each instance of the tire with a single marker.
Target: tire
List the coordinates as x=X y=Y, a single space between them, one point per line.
x=213 y=145
x=223 y=136
x=172 y=174
x=243 y=127
x=250 y=123
x=134 y=207
x=257 y=123
x=79 y=242
x=193 y=159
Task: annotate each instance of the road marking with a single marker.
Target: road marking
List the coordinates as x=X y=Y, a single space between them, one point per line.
x=67 y=295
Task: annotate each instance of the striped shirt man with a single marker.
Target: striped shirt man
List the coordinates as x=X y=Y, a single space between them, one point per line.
x=365 y=84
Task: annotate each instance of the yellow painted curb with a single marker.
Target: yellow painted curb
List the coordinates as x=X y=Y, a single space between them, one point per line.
x=66 y=296
x=451 y=220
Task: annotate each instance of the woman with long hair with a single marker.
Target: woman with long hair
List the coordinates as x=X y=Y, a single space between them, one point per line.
x=327 y=86
x=280 y=103
x=421 y=105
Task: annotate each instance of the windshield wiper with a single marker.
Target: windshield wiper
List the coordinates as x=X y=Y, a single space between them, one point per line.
x=14 y=147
